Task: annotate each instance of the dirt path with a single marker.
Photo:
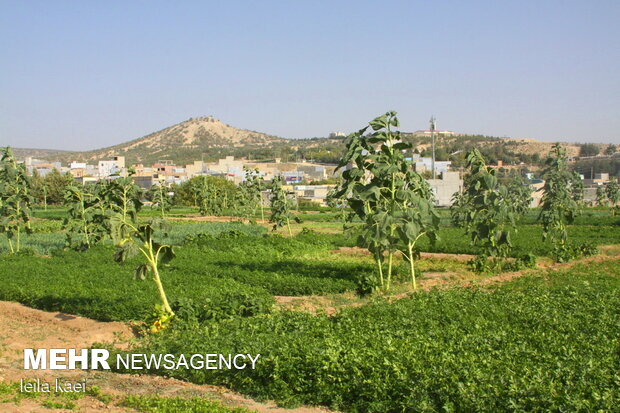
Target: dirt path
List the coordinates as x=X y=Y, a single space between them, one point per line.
x=25 y=327
x=212 y=218
x=423 y=255
x=331 y=304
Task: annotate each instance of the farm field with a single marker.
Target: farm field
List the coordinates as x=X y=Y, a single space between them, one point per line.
x=200 y=212
x=540 y=339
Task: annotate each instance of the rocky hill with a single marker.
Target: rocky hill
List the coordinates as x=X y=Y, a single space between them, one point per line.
x=209 y=139
x=181 y=143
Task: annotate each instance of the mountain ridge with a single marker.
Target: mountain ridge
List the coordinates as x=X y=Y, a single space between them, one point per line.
x=207 y=138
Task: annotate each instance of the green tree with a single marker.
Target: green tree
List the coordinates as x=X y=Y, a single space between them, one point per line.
x=601 y=196
x=612 y=190
x=280 y=205
x=38 y=189
x=588 y=149
x=487 y=211
x=611 y=149
x=56 y=184
x=520 y=195
x=15 y=199
x=255 y=185
x=207 y=196
x=87 y=221
x=213 y=195
x=577 y=188
x=123 y=196
x=160 y=198
x=185 y=193
x=393 y=201
x=558 y=207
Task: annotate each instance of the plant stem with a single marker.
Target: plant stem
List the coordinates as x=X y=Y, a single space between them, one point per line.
x=389 y=276
x=84 y=222
x=18 y=227
x=411 y=266
x=288 y=225
x=380 y=265
x=160 y=288
x=391 y=253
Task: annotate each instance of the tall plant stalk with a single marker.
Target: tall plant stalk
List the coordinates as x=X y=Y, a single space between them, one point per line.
x=132 y=239
x=393 y=201
x=15 y=200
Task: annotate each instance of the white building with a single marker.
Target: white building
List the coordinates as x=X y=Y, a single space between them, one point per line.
x=446 y=187
x=77 y=165
x=115 y=166
x=426 y=164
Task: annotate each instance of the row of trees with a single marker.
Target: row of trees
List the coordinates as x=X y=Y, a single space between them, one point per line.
x=489 y=210
x=590 y=149
x=396 y=204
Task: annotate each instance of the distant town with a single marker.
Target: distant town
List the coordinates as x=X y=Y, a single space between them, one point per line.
x=305 y=180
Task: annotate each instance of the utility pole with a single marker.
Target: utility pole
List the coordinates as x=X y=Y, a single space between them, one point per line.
x=433 y=127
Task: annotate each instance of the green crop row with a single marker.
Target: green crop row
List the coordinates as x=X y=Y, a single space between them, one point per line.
x=548 y=342
x=91 y=284
x=527 y=239
x=47 y=236
x=226 y=274
x=301 y=265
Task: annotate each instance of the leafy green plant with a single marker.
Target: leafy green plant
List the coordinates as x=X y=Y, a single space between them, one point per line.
x=161 y=199
x=526 y=261
x=92 y=285
x=543 y=342
x=158 y=404
x=601 y=196
x=209 y=196
x=133 y=239
x=338 y=204
x=612 y=190
x=520 y=195
x=394 y=202
x=15 y=200
x=253 y=187
x=487 y=211
x=86 y=222
x=558 y=207
x=280 y=205
x=577 y=188
x=123 y=197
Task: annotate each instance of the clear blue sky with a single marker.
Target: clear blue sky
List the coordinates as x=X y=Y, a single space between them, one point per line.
x=86 y=74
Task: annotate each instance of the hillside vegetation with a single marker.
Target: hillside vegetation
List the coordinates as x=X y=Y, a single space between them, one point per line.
x=209 y=139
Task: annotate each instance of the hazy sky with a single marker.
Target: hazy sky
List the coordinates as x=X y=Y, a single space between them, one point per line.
x=83 y=75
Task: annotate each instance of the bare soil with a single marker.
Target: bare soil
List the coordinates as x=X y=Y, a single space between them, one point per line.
x=430 y=280
x=210 y=218
x=25 y=327
x=423 y=255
